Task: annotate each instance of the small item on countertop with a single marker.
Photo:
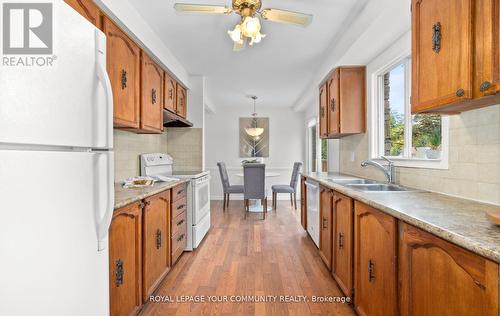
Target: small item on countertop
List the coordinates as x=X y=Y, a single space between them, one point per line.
x=494 y=216
x=138 y=182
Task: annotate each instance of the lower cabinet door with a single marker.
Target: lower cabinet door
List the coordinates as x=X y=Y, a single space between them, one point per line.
x=440 y=278
x=374 y=262
x=343 y=245
x=125 y=261
x=325 y=223
x=155 y=241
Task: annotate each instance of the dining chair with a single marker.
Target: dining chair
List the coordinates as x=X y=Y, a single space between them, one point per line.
x=291 y=188
x=254 y=186
x=226 y=186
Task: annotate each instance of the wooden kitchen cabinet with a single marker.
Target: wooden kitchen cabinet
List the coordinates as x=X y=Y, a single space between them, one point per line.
x=156 y=233
x=125 y=260
x=375 y=271
x=303 y=203
x=342 y=102
x=343 y=247
x=181 y=94
x=178 y=223
x=170 y=93
x=151 y=96
x=323 y=115
x=455 y=55
x=123 y=65
x=440 y=278
x=88 y=9
x=326 y=236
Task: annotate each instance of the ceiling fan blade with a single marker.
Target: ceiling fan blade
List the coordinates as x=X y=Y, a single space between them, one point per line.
x=201 y=8
x=285 y=16
x=239 y=46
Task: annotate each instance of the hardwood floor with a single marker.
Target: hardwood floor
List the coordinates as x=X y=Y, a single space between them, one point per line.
x=250 y=257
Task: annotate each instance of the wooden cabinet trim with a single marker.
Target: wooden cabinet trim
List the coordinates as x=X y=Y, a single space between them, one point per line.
x=483 y=288
x=88 y=9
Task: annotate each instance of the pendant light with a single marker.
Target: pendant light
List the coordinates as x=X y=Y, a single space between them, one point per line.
x=254 y=131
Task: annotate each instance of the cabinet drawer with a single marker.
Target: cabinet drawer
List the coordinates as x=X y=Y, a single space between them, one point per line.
x=179 y=192
x=178 y=207
x=178 y=252
x=179 y=242
x=178 y=223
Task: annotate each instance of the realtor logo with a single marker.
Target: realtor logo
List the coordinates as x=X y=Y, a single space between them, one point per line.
x=27 y=28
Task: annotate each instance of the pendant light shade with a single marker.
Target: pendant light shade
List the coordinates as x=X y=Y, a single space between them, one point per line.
x=254 y=131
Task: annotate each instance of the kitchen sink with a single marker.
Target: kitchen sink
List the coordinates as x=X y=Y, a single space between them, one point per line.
x=379 y=187
x=353 y=181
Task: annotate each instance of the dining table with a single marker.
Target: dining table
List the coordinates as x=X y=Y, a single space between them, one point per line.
x=257 y=207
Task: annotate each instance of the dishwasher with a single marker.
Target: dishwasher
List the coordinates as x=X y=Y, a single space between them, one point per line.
x=313 y=210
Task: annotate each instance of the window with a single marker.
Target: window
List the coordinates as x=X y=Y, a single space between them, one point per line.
x=412 y=140
x=317 y=149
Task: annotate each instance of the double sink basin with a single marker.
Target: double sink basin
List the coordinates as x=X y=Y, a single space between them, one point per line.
x=371 y=185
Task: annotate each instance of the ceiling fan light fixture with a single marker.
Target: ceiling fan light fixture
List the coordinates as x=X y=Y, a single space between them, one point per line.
x=236 y=34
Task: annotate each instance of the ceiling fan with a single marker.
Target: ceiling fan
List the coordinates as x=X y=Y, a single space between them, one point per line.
x=249 y=10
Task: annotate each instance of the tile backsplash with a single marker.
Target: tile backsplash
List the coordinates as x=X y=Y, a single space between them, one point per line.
x=185 y=145
x=128 y=146
x=474 y=159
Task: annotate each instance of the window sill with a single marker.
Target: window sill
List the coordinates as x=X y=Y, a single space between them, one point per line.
x=441 y=163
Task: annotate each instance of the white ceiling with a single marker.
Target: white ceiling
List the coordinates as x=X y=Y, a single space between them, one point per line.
x=277 y=69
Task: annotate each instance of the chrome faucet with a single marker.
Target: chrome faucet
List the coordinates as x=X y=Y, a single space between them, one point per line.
x=388 y=170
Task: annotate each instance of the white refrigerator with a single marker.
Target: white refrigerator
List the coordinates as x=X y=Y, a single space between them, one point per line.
x=56 y=173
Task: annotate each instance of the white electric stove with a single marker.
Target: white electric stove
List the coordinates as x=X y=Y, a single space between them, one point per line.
x=198 y=194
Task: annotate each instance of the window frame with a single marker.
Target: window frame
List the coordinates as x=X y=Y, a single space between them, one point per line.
x=377 y=121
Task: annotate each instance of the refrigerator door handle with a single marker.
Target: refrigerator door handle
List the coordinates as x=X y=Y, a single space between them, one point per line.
x=103 y=223
x=103 y=77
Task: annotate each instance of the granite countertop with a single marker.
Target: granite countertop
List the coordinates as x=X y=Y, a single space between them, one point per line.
x=124 y=197
x=460 y=221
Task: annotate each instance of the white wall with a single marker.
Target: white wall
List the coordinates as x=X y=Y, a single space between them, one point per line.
x=286 y=143
x=125 y=15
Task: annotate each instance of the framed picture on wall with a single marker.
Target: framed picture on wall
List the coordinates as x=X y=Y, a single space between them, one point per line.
x=254 y=137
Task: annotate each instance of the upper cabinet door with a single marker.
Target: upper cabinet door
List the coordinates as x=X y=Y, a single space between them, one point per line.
x=487 y=48
x=151 y=95
x=181 y=101
x=170 y=93
x=441 y=53
x=87 y=9
x=323 y=113
x=123 y=64
x=334 y=104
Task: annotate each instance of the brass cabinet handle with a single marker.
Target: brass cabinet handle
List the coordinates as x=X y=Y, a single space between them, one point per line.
x=332 y=105
x=371 y=270
x=158 y=239
x=180 y=237
x=164 y=199
x=146 y=203
x=119 y=272
x=485 y=86
x=124 y=79
x=153 y=96
x=180 y=191
x=325 y=222
x=170 y=93
x=180 y=222
x=322 y=111
x=460 y=93
x=180 y=206
x=436 y=37
x=341 y=241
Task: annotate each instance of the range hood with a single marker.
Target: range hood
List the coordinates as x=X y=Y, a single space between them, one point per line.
x=173 y=120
